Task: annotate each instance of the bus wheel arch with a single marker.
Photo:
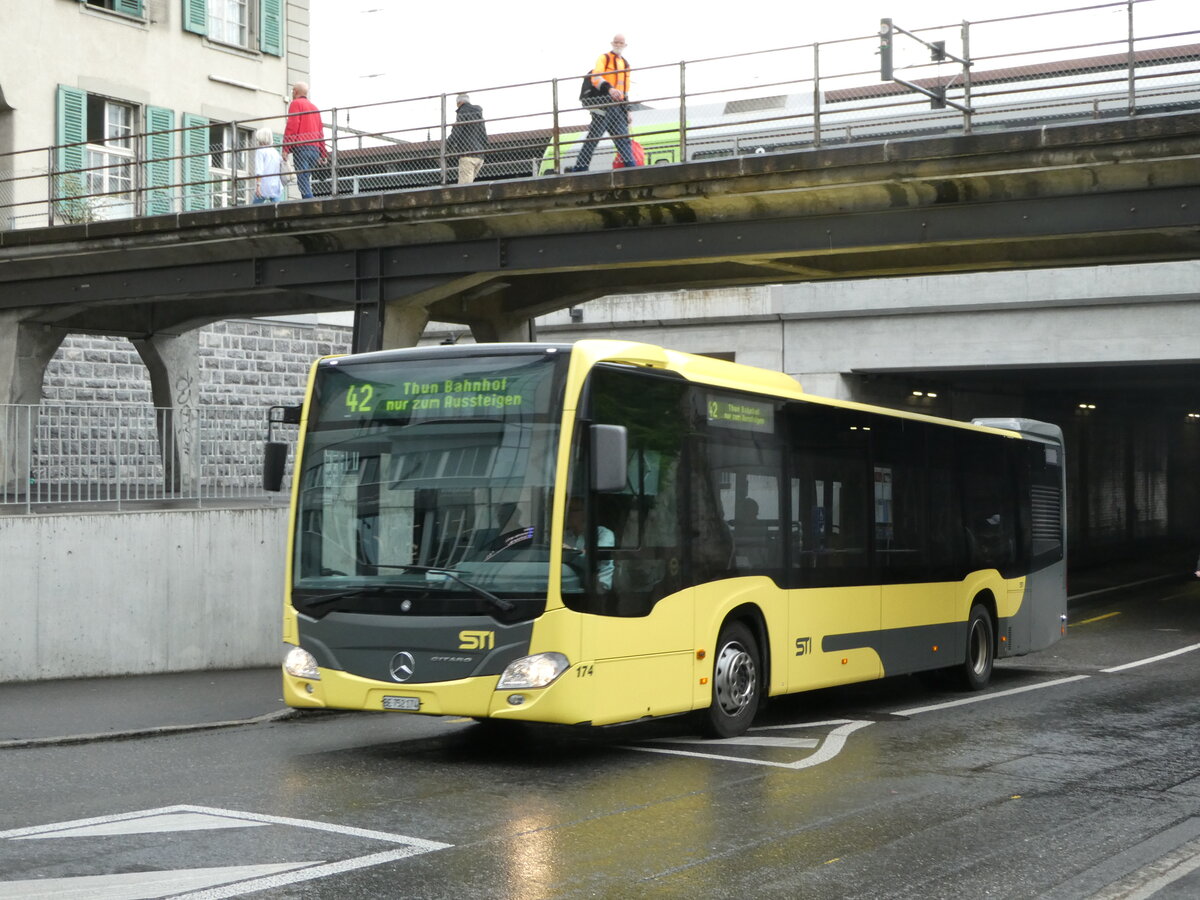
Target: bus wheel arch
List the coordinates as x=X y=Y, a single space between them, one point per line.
x=739 y=674
x=979 y=650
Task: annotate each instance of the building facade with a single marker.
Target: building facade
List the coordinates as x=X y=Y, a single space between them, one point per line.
x=82 y=82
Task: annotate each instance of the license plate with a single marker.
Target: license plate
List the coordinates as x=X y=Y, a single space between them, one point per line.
x=410 y=703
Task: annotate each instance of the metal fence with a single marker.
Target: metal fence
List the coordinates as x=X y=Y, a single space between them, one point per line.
x=1118 y=59
x=125 y=456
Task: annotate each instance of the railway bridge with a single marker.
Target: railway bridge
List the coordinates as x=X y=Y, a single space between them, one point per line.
x=494 y=255
x=1101 y=199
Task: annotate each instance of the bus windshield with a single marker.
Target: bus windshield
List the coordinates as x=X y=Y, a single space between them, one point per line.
x=428 y=479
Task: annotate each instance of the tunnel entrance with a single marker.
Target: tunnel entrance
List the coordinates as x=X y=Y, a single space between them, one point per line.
x=1132 y=435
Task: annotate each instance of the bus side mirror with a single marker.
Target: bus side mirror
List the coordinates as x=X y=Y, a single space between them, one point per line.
x=275 y=452
x=609 y=458
x=274 y=462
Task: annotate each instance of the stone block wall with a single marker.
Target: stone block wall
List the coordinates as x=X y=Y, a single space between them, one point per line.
x=251 y=362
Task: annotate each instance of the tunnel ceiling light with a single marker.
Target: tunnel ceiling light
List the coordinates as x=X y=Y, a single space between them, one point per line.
x=1087 y=405
x=930 y=394
x=918 y=393
x=1194 y=415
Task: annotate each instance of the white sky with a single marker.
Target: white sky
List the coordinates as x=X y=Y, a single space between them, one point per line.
x=367 y=51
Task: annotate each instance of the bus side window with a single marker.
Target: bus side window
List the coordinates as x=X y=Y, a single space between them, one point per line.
x=989 y=519
x=831 y=516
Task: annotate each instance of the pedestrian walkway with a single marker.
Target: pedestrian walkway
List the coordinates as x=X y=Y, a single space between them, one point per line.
x=34 y=713
x=1172 y=563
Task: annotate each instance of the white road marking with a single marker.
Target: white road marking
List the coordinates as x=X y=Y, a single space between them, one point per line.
x=196 y=884
x=749 y=740
x=836 y=739
x=234 y=814
x=1161 y=656
x=829 y=747
x=182 y=821
x=262 y=884
x=136 y=885
x=917 y=710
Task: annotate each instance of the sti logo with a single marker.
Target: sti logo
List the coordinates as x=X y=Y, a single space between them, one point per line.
x=476 y=640
x=803 y=646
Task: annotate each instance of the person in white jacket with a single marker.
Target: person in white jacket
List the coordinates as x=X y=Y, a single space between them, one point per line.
x=268 y=186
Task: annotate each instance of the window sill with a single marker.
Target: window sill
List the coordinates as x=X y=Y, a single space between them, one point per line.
x=111 y=15
x=232 y=49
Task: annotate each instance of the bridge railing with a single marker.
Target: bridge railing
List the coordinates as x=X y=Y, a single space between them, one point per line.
x=57 y=455
x=1115 y=59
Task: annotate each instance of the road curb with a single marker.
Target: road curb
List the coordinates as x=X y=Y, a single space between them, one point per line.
x=20 y=743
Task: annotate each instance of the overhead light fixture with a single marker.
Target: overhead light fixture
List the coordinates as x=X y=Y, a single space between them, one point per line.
x=1194 y=415
x=1087 y=405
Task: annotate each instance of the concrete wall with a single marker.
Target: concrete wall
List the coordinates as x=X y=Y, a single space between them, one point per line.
x=140 y=592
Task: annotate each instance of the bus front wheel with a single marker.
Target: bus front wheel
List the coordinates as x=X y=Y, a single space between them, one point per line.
x=976 y=669
x=736 y=683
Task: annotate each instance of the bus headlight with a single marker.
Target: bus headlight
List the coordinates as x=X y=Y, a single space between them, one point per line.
x=301 y=664
x=535 y=671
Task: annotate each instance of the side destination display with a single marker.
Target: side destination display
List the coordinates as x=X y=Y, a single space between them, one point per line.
x=742 y=413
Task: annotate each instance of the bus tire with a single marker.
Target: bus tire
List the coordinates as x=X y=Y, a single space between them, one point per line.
x=736 y=683
x=976 y=669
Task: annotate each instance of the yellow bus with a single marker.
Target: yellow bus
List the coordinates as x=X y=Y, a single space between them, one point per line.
x=606 y=531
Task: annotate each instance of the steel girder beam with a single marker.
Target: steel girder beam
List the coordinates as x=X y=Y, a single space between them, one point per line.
x=1162 y=224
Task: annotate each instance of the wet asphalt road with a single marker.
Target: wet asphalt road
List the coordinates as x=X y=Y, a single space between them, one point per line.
x=1061 y=781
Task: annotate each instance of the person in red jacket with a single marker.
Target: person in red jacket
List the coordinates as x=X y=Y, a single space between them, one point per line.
x=304 y=137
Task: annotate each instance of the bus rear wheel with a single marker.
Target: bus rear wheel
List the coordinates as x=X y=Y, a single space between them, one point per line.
x=976 y=669
x=736 y=683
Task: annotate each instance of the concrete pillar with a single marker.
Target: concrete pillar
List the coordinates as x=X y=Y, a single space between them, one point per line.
x=403 y=324
x=173 y=362
x=26 y=348
x=502 y=329
x=834 y=385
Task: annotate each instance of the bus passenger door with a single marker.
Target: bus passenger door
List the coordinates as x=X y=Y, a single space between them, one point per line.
x=635 y=595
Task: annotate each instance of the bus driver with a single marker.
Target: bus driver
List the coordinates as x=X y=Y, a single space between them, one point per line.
x=575 y=539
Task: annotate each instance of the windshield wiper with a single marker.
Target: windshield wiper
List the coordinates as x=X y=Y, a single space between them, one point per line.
x=498 y=602
x=325 y=600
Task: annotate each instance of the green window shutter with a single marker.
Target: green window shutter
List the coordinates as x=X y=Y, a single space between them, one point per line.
x=197 y=192
x=270 y=37
x=71 y=185
x=195 y=16
x=130 y=7
x=160 y=167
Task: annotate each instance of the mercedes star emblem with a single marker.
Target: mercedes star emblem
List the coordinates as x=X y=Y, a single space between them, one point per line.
x=402 y=666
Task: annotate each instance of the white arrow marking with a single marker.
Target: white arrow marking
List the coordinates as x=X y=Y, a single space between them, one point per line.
x=138 y=885
x=149 y=825
x=830 y=747
x=749 y=740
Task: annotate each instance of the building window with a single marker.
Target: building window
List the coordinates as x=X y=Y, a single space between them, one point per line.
x=230 y=147
x=110 y=156
x=128 y=7
x=229 y=22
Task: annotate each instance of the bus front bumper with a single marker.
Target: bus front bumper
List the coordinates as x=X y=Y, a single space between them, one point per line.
x=566 y=702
